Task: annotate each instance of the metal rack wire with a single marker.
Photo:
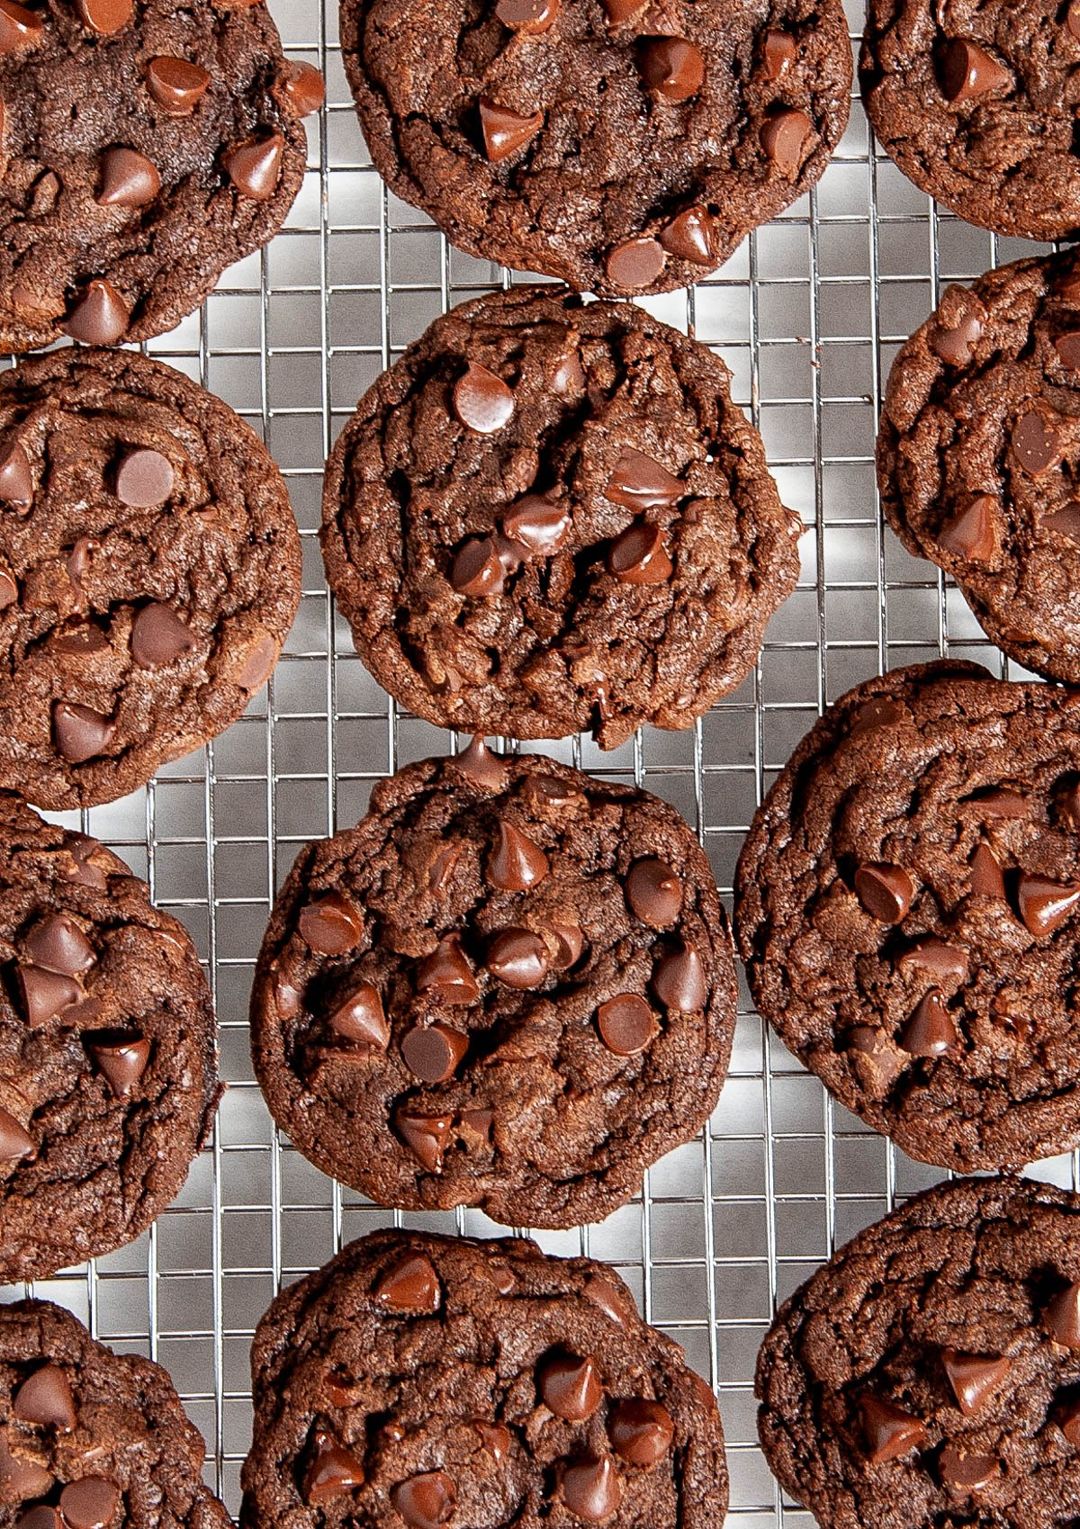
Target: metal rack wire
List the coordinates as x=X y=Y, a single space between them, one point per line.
x=808 y=314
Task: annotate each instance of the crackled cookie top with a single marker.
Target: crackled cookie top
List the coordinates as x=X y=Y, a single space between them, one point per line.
x=550 y=517
x=908 y=905
x=975 y=101
x=90 y=1439
x=424 y=1381
x=149 y=572
x=108 y=1053
x=619 y=145
x=510 y=986
x=930 y=1372
x=145 y=146
x=979 y=453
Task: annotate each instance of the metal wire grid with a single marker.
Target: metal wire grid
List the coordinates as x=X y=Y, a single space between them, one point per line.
x=808 y=314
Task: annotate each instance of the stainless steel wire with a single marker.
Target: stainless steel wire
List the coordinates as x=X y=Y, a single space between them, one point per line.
x=808 y=314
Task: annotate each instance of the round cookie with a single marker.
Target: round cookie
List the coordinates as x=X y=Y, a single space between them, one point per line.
x=89 y=1438
x=509 y=986
x=424 y=1380
x=145 y=147
x=974 y=101
x=550 y=517
x=978 y=451
x=108 y=1050
x=930 y=1372
x=618 y=145
x=149 y=572
x=908 y=907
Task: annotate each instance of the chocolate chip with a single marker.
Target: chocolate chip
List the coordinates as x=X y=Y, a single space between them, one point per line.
x=446 y=973
x=1068 y=349
x=876 y=715
x=568 y=375
x=971 y=533
x=1045 y=905
x=254 y=166
x=20 y=1480
x=176 y=85
x=608 y=1298
x=1035 y=443
x=966 y=1473
x=784 y=137
x=673 y=67
x=40 y=1517
x=890 y=1432
x=570 y=1386
x=121 y=1059
x=570 y=942
x=482 y=401
x=299 y=89
x=872 y=1052
x=626 y=1023
x=15 y=1144
x=427 y=1501
x=144 y=479
x=79 y=641
x=985 y=878
x=494 y=1437
x=641 y=1432
x=359 y=1017
x=638 y=555
x=1062 y=1317
x=9 y=590
x=57 y=943
x=679 y=980
x=778 y=53
x=481 y=765
x=654 y=892
x=433 y=1053
x=1066 y=521
x=16 y=478
x=1072 y=19
x=518 y=958
x=618 y=11
x=90 y=1503
x=886 y=891
x=931 y=1030
x=691 y=235
x=331 y=924
x=410 y=1285
x=19 y=26
x=528 y=16
x=966 y=71
x=640 y=482
x=505 y=131
x=591 y=1488
x=516 y=864
x=80 y=732
x=98 y=315
x=426 y=1137
x=541 y=526
x=956 y=345
x=46 y=994
x=635 y=263
x=45 y=1400
x=477 y=570
x=104 y=17
x=937 y=958
x=1068 y=1422
x=479 y=1122
x=332 y=1471
x=974 y=1378
x=159 y=637
x=1000 y=802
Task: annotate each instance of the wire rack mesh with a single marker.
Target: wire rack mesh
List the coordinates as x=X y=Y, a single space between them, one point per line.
x=807 y=314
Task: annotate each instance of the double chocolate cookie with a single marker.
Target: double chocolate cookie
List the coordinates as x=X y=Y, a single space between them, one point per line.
x=619 y=145
x=908 y=906
x=930 y=1372
x=108 y=1055
x=424 y=1381
x=510 y=986
x=979 y=451
x=149 y=572
x=550 y=517
x=145 y=146
x=90 y=1439
x=975 y=101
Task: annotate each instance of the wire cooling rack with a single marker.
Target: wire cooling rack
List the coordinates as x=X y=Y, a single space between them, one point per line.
x=808 y=314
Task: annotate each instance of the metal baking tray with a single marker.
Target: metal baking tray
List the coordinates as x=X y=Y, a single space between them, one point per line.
x=808 y=314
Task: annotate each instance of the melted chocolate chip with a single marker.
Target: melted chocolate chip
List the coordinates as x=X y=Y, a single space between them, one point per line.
x=890 y=1432
x=641 y=1432
x=331 y=925
x=931 y=1031
x=176 y=85
x=779 y=52
x=98 y=315
x=19 y=26
x=570 y=1386
x=638 y=555
x=966 y=1473
x=691 y=235
x=359 y=1018
x=784 y=137
x=967 y=71
x=45 y=1400
x=506 y=131
x=672 y=67
x=332 y=1472
x=482 y=401
x=936 y=958
x=481 y=766
x=104 y=17
x=495 y=1438
x=654 y=892
x=528 y=16
x=80 y=732
x=446 y=973
x=254 y=166
x=972 y=532
x=16 y=478
x=411 y=1285
x=956 y=345
x=1046 y=905
x=159 y=637
x=121 y=1060
x=885 y=891
x=299 y=89
x=679 y=980
x=626 y=1023
x=516 y=864
x=477 y=569
x=1068 y=350
x=1062 y=1317
x=15 y=1144
x=1036 y=444
x=45 y=994
x=640 y=482
x=985 y=878
x=974 y=1378
x=57 y=943
x=635 y=263
x=21 y=1480
x=90 y=1503
x=433 y=1053
x=427 y=1501
x=538 y=524
x=426 y=1137
x=591 y=1488
x=518 y=958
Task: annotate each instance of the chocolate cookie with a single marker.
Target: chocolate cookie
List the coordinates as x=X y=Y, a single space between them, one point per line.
x=510 y=986
x=930 y=1372
x=619 y=145
x=979 y=450
x=108 y=1053
x=974 y=100
x=908 y=906
x=149 y=572
x=145 y=146
x=550 y=517
x=90 y=1439
x=428 y=1381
